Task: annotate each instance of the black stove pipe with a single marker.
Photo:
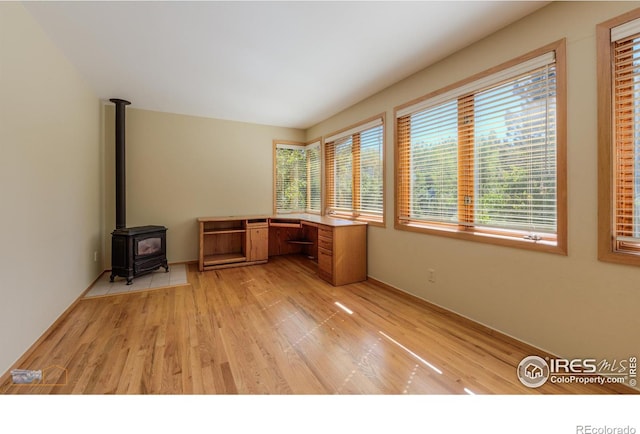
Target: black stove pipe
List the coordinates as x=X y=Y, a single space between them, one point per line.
x=121 y=199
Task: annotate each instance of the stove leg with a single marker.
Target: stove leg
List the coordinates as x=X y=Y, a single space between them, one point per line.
x=113 y=276
x=129 y=281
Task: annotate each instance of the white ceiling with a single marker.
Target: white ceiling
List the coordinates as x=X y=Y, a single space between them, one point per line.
x=291 y=64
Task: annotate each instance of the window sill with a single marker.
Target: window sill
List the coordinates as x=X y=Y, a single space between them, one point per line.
x=547 y=246
x=618 y=257
x=371 y=221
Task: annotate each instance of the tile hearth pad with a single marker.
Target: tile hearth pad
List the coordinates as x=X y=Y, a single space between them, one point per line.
x=177 y=275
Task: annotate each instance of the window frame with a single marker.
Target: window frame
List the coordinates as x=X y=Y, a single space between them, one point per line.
x=342 y=134
x=302 y=145
x=607 y=245
x=509 y=238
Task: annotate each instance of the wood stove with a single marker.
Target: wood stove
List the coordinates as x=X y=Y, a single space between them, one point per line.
x=138 y=250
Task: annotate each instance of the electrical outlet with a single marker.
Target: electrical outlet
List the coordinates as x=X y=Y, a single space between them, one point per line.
x=432 y=275
x=95 y=256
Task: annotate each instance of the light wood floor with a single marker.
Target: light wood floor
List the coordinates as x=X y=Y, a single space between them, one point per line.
x=274 y=329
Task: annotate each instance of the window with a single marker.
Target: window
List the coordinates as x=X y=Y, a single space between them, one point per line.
x=354 y=172
x=619 y=139
x=314 y=159
x=297 y=177
x=484 y=159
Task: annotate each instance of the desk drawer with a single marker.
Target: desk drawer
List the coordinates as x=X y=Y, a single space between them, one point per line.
x=325 y=232
x=325 y=243
x=325 y=261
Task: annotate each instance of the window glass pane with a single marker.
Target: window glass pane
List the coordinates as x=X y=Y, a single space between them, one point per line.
x=515 y=154
x=343 y=175
x=291 y=180
x=433 y=163
x=313 y=159
x=371 y=190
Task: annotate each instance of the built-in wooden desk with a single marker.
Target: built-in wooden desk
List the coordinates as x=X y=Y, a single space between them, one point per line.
x=339 y=246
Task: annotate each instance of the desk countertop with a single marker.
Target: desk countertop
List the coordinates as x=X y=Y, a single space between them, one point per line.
x=311 y=218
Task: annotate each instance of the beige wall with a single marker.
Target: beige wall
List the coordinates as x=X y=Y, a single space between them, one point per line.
x=50 y=183
x=572 y=306
x=179 y=168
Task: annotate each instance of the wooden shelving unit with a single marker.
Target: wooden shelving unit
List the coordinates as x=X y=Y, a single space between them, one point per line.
x=232 y=242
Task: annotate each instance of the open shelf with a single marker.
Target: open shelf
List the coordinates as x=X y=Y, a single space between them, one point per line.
x=223 y=258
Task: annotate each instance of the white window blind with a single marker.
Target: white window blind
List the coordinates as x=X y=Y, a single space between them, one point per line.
x=291 y=178
x=343 y=169
x=483 y=157
x=433 y=159
x=314 y=177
